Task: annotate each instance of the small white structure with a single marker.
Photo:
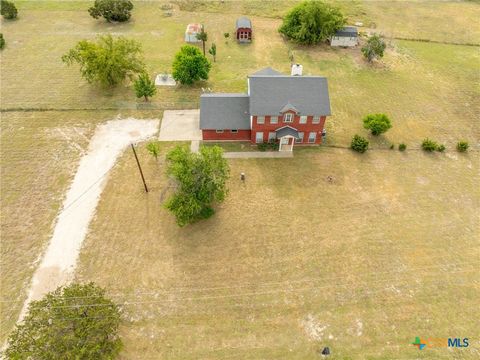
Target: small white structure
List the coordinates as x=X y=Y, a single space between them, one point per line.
x=165 y=80
x=346 y=37
x=191 y=33
x=297 y=70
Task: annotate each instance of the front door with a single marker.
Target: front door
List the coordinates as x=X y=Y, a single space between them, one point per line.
x=285 y=140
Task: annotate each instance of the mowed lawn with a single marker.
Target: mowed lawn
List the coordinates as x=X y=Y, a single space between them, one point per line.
x=291 y=262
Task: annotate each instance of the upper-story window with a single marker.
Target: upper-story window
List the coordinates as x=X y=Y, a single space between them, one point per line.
x=316 y=120
x=273 y=119
x=260 y=119
x=288 y=118
x=303 y=119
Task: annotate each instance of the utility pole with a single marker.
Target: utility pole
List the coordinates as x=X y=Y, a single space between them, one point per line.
x=139 y=168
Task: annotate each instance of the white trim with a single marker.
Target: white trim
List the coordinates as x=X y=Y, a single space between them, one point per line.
x=283 y=127
x=314 y=121
x=256 y=137
x=261 y=117
x=276 y=121
x=314 y=139
x=219 y=131
x=303 y=119
x=290 y=116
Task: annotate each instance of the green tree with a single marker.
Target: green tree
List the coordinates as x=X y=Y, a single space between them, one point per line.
x=2 y=41
x=190 y=65
x=73 y=322
x=200 y=179
x=374 y=49
x=377 y=123
x=359 y=144
x=226 y=36
x=213 y=51
x=312 y=22
x=107 y=61
x=144 y=86
x=203 y=37
x=111 y=10
x=8 y=9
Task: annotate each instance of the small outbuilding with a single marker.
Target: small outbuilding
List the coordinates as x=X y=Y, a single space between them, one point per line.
x=244 y=29
x=191 y=33
x=347 y=37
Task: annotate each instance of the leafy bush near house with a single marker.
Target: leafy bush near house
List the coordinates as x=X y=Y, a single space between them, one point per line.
x=190 y=65
x=440 y=148
x=359 y=144
x=153 y=148
x=312 y=22
x=2 y=41
x=374 y=48
x=8 y=9
x=111 y=10
x=262 y=146
x=429 y=145
x=462 y=146
x=73 y=322
x=377 y=123
x=402 y=147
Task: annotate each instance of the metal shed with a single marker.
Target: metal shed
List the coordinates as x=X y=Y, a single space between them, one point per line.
x=347 y=37
x=191 y=33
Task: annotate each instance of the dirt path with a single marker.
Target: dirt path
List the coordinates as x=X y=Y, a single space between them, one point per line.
x=108 y=142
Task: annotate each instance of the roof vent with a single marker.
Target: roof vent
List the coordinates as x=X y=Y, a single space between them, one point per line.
x=297 y=70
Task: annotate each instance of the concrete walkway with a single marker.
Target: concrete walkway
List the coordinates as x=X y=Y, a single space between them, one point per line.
x=258 y=154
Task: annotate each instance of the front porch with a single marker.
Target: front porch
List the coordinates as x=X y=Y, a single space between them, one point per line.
x=286 y=136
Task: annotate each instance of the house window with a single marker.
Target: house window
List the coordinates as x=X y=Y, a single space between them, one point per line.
x=219 y=131
x=273 y=119
x=272 y=136
x=259 y=137
x=300 y=134
x=312 y=137
x=316 y=120
x=260 y=119
x=303 y=119
x=234 y=131
x=288 y=118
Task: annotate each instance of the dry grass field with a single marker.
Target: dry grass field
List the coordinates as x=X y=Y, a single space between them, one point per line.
x=291 y=262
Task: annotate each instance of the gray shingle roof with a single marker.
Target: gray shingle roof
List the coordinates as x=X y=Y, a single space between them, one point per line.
x=349 y=31
x=243 y=22
x=268 y=71
x=219 y=111
x=269 y=94
x=287 y=130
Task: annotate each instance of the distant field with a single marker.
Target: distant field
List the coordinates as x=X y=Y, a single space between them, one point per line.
x=384 y=253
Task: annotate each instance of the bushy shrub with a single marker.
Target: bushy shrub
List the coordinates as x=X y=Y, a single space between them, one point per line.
x=262 y=146
x=374 y=48
x=377 y=123
x=429 y=145
x=8 y=9
x=392 y=146
x=153 y=148
x=2 y=41
x=440 y=148
x=462 y=146
x=402 y=147
x=359 y=144
x=111 y=10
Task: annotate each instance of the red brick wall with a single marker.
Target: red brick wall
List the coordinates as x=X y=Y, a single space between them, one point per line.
x=305 y=128
x=226 y=135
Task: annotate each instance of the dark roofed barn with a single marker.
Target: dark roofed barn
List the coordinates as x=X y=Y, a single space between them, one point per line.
x=243 y=29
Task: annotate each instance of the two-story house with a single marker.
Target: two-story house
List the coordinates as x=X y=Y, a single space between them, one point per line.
x=290 y=109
